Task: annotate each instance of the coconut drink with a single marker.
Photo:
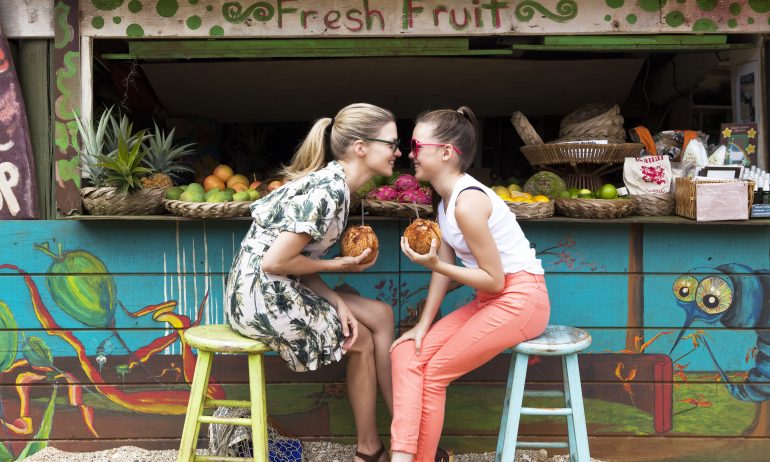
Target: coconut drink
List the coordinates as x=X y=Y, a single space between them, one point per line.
x=420 y=233
x=356 y=239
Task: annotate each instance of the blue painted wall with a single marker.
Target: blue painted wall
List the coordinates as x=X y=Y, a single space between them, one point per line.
x=175 y=268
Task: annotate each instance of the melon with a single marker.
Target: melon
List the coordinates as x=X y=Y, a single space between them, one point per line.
x=546 y=184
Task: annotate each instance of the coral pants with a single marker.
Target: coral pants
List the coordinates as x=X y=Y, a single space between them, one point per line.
x=457 y=344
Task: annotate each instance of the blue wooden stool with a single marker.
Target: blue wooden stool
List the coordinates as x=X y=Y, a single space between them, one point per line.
x=220 y=338
x=562 y=341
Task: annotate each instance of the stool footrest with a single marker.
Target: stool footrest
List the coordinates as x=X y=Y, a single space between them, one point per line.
x=546 y=411
x=538 y=445
x=244 y=422
x=221 y=459
x=228 y=403
x=544 y=393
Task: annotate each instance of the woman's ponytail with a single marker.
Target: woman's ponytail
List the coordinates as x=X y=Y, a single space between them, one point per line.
x=311 y=154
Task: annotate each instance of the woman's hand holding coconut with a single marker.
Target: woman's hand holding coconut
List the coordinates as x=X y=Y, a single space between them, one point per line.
x=429 y=260
x=350 y=264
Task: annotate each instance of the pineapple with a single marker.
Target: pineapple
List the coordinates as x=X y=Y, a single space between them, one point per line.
x=120 y=127
x=93 y=142
x=164 y=160
x=123 y=168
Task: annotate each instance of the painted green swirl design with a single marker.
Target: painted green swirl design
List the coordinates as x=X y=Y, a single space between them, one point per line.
x=62 y=10
x=235 y=13
x=565 y=10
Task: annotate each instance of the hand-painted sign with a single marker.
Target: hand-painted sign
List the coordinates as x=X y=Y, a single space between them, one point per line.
x=18 y=189
x=295 y=18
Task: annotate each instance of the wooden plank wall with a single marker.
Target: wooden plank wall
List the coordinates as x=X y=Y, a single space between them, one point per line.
x=710 y=391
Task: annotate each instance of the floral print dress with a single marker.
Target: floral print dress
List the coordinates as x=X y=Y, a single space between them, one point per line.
x=278 y=310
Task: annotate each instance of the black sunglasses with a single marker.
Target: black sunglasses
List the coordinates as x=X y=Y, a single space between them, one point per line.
x=392 y=143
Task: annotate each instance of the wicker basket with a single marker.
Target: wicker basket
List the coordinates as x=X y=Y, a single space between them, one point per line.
x=396 y=209
x=685 y=195
x=595 y=208
x=527 y=210
x=108 y=201
x=580 y=153
x=653 y=205
x=208 y=209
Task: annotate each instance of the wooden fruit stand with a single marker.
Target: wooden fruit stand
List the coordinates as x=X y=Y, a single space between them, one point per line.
x=91 y=306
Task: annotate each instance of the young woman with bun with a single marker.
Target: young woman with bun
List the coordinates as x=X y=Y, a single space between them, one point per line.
x=511 y=303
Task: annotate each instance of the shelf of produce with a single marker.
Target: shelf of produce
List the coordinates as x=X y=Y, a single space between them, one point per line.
x=671 y=220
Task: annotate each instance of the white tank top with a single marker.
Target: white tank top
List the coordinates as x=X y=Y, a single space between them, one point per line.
x=513 y=246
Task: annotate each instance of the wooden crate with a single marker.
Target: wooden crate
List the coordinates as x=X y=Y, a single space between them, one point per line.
x=686 y=189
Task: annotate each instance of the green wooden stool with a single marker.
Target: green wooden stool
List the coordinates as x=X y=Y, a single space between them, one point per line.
x=220 y=338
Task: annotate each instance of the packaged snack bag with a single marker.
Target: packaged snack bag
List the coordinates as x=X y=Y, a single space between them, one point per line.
x=647 y=175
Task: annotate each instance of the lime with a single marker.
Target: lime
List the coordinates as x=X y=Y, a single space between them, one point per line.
x=565 y=194
x=174 y=193
x=585 y=194
x=607 y=191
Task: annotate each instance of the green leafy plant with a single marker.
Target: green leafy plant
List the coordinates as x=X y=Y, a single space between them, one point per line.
x=121 y=126
x=123 y=168
x=164 y=159
x=92 y=145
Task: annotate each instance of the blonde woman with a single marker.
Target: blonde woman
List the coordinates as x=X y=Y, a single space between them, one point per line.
x=274 y=292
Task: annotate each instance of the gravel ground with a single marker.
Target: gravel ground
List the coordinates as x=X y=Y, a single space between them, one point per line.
x=314 y=452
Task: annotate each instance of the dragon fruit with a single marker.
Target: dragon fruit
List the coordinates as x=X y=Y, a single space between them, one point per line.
x=383 y=193
x=406 y=182
x=426 y=196
x=413 y=195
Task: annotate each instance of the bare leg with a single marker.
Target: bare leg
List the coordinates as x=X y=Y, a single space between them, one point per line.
x=362 y=391
x=378 y=318
x=399 y=456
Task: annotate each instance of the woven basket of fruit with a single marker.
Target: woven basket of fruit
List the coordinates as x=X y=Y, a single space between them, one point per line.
x=594 y=208
x=401 y=195
x=207 y=209
x=580 y=153
x=111 y=201
x=530 y=210
x=652 y=205
x=396 y=209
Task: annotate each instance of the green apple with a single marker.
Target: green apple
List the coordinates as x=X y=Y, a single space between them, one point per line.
x=242 y=196
x=191 y=196
x=211 y=192
x=253 y=194
x=219 y=196
x=195 y=187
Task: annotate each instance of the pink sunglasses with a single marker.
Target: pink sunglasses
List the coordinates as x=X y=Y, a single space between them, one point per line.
x=416 y=146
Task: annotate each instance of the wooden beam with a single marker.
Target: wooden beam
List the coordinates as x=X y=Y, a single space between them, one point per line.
x=27 y=19
x=66 y=89
x=593 y=40
x=34 y=67
x=303 y=48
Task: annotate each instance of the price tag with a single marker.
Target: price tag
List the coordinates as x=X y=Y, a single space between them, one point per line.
x=760 y=211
